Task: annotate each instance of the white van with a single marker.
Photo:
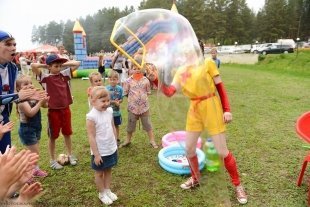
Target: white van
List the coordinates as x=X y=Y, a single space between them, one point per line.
x=290 y=42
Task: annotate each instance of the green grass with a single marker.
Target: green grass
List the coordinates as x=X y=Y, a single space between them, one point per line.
x=297 y=64
x=266 y=100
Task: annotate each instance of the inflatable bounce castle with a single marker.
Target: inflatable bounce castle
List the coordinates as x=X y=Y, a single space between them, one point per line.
x=88 y=64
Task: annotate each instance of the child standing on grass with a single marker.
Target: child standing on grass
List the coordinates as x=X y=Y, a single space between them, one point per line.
x=138 y=88
x=102 y=140
x=215 y=58
x=56 y=84
x=95 y=79
x=30 y=120
x=116 y=98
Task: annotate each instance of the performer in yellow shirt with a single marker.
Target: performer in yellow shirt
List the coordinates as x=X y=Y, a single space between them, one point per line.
x=208 y=112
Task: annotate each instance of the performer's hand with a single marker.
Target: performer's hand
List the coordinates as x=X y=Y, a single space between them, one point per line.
x=227 y=116
x=25 y=94
x=168 y=90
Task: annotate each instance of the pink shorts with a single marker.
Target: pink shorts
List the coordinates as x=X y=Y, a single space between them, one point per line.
x=59 y=119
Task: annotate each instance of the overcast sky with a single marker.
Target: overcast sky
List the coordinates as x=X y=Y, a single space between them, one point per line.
x=19 y=16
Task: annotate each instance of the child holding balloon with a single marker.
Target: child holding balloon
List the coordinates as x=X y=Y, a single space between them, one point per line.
x=206 y=112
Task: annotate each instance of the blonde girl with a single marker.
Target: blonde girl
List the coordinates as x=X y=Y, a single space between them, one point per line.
x=30 y=120
x=95 y=79
x=102 y=140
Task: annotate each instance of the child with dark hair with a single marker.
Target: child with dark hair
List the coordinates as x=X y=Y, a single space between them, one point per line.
x=56 y=84
x=101 y=67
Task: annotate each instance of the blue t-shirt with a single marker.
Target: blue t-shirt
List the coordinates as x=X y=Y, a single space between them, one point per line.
x=116 y=92
x=217 y=62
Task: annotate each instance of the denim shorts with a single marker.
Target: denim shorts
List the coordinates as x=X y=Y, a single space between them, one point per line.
x=29 y=135
x=108 y=162
x=117 y=120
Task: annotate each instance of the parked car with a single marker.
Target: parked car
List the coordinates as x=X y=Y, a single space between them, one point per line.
x=276 y=49
x=260 y=47
x=226 y=49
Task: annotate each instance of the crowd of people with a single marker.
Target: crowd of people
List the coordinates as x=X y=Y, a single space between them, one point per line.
x=103 y=120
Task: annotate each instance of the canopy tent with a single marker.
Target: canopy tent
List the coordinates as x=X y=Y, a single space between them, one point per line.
x=44 y=49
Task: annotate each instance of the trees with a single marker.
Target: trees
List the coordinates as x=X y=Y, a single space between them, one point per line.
x=223 y=21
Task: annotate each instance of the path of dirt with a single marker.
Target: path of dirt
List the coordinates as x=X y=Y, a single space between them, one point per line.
x=237 y=58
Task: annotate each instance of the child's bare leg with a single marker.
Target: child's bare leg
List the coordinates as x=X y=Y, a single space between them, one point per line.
x=107 y=178
x=99 y=180
x=34 y=148
x=117 y=132
x=131 y=126
x=107 y=183
x=51 y=148
x=129 y=136
x=68 y=144
x=152 y=138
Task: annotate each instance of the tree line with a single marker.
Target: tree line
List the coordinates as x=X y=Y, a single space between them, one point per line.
x=214 y=21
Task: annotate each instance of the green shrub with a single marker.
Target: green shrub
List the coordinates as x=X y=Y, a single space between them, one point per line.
x=282 y=56
x=261 y=57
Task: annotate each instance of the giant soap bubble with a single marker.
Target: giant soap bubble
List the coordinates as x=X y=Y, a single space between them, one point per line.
x=167 y=40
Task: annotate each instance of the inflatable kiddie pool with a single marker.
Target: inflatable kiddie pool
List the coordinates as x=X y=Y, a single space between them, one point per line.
x=177 y=137
x=173 y=159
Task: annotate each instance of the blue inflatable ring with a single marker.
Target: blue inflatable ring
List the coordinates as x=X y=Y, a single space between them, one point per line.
x=173 y=159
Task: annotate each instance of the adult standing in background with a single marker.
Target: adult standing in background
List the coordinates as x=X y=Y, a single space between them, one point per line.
x=63 y=52
x=24 y=64
x=101 y=66
x=118 y=61
x=8 y=75
x=202 y=47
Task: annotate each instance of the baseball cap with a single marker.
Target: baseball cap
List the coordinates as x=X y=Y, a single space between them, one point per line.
x=55 y=58
x=5 y=36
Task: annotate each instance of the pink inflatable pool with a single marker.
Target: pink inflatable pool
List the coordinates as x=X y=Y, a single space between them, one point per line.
x=177 y=137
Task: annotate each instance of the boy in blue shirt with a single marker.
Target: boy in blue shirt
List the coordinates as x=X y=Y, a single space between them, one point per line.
x=116 y=98
x=214 y=57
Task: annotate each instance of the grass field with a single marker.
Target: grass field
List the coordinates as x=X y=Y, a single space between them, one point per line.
x=266 y=100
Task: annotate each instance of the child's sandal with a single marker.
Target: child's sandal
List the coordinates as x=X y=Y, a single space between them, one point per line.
x=125 y=144
x=154 y=145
